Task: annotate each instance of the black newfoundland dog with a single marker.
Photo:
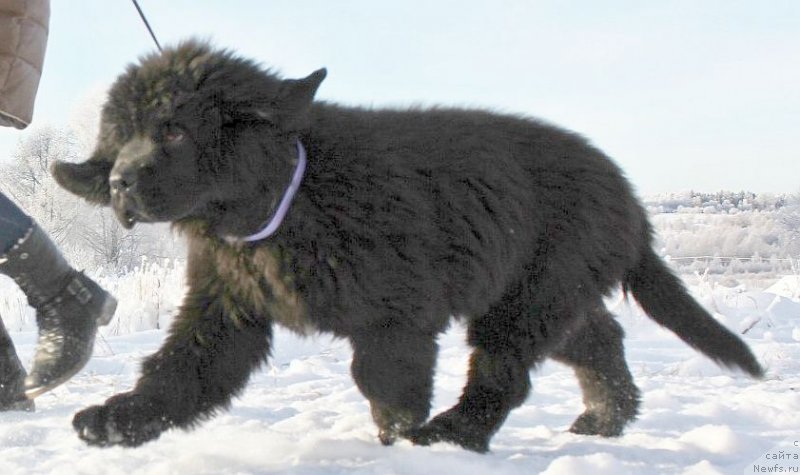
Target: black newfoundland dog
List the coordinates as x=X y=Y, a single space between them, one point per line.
x=378 y=226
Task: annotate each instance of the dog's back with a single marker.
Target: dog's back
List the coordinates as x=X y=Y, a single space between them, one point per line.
x=466 y=202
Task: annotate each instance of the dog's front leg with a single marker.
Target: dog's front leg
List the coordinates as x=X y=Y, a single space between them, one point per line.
x=212 y=348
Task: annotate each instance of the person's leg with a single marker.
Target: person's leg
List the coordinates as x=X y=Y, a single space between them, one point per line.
x=69 y=306
x=12 y=376
x=14 y=224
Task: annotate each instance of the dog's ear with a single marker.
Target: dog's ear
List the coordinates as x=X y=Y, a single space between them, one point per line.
x=89 y=179
x=294 y=99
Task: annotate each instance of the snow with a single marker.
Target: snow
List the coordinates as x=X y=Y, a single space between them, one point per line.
x=788 y=286
x=301 y=414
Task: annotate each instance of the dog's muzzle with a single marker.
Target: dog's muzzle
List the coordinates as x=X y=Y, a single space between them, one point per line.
x=124 y=181
x=126 y=206
x=126 y=199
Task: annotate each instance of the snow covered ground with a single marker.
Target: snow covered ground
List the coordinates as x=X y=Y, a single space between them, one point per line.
x=303 y=415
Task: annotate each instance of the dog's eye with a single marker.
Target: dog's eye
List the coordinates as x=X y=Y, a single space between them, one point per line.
x=173 y=136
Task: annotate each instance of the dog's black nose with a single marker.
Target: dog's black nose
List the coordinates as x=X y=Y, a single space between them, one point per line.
x=122 y=181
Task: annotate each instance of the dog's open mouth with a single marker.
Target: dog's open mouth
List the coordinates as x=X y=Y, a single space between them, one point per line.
x=129 y=212
x=127 y=217
x=129 y=220
x=132 y=209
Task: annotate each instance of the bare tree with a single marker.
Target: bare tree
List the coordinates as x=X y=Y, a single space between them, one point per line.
x=789 y=218
x=110 y=244
x=28 y=181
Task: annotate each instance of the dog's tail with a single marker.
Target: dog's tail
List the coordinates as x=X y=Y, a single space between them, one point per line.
x=663 y=296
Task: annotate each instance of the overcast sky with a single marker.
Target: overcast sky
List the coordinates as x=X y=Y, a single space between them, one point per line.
x=691 y=94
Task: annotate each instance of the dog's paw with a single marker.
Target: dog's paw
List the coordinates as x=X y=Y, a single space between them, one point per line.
x=394 y=423
x=128 y=420
x=453 y=428
x=593 y=423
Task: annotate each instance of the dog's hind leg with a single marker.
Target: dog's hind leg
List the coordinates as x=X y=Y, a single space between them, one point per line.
x=517 y=332
x=393 y=367
x=595 y=352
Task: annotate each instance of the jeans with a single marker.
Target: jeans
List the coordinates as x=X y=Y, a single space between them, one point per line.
x=14 y=223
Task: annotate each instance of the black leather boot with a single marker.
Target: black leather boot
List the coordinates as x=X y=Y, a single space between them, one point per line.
x=69 y=308
x=12 y=377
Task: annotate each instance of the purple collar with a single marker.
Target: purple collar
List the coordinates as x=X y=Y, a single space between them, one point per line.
x=286 y=202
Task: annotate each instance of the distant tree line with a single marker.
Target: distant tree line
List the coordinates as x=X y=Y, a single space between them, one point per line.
x=720 y=202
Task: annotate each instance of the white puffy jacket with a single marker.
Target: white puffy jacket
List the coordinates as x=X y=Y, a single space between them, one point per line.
x=23 y=38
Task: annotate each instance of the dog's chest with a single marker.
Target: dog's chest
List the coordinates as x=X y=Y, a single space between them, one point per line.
x=259 y=280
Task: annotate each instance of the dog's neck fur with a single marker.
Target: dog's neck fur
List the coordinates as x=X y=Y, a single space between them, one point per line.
x=286 y=201
x=279 y=212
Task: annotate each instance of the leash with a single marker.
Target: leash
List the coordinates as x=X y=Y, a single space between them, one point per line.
x=147 y=24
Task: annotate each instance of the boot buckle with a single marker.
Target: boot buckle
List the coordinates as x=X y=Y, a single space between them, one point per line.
x=81 y=293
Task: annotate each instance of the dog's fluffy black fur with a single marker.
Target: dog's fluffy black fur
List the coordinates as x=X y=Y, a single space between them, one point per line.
x=405 y=218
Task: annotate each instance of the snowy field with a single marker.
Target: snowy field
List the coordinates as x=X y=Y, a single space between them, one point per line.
x=302 y=414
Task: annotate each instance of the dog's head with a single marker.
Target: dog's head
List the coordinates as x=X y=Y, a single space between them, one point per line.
x=191 y=132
